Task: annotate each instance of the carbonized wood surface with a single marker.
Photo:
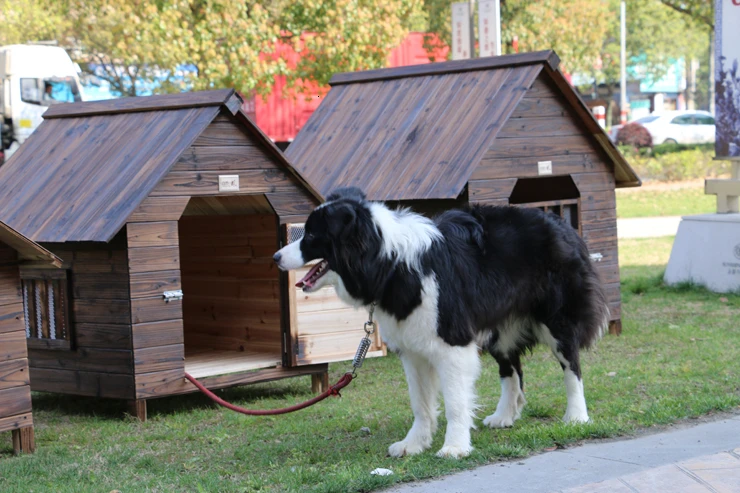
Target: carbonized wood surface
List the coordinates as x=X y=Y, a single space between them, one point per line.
x=87 y=383
x=159 y=384
x=67 y=154
x=485 y=63
x=110 y=361
x=251 y=181
x=14 y=373
x=161 y=102
x=159 y=358
x=227 y=261
x=410 y=138
x=15 y=400
x=16 y=422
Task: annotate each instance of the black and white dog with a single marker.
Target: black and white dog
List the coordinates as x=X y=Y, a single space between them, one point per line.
x=501 y=279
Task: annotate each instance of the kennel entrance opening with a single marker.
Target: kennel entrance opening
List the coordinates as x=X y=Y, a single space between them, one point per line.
x=231 y=286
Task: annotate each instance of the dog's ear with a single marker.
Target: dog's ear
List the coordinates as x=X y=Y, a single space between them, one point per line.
x=343 y=217
x=351 y=193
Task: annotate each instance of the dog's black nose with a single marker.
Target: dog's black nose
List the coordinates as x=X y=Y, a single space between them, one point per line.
x=277 y=257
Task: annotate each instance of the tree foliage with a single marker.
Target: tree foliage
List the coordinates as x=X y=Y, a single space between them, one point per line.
x=227 y=43
x=22 y=21
x=575 y=29
x=345 y=35
x=701 y=11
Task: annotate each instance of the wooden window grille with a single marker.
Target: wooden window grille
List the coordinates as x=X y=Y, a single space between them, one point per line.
x=46 y=309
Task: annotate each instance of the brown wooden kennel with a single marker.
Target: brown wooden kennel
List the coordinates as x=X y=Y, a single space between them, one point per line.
x=165 y=212
x=498 y=130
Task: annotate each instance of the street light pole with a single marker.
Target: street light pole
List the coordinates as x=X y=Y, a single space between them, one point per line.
x=623 y=65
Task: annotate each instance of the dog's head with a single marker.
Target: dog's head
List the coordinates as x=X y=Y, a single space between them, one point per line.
x=340 y=234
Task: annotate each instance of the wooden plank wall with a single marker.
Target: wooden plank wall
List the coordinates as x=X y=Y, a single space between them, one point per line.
x=100 y=362
x=231 y=283
x=543 y=128
x=226 y=147
x=15 y=391
x=156 y=325
x=327 y=329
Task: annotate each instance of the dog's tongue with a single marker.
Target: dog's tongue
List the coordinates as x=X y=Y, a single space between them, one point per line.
x=311 y=272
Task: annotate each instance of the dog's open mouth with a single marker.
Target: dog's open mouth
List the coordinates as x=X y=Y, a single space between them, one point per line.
x=313 y=275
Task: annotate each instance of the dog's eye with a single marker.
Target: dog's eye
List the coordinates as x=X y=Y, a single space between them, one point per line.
x=309 y=236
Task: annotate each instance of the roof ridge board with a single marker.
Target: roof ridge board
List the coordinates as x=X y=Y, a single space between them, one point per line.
x=547 y=57
x=159 y=102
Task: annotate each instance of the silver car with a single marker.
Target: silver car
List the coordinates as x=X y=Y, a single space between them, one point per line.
x=676 y=127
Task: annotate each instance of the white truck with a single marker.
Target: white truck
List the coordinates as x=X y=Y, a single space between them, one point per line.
x=32 y=77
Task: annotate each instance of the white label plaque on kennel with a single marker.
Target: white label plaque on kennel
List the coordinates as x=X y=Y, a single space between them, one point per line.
x=544 y=167
x=228 y=183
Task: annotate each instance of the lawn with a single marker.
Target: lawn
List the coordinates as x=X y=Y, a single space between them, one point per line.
x=665 y=200
x=676 y=359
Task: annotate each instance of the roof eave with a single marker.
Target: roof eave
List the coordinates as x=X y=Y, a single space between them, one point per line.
x=264 y=139
x=593 y=126
x=26 y=248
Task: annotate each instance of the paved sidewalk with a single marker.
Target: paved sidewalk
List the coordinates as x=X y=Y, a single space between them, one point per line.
x=647 y=227
x=684 y=459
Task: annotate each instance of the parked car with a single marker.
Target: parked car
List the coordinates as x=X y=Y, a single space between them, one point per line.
x=676 y=127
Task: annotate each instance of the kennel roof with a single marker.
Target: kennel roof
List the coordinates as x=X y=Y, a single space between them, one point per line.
x=419 y=132
x=89 y=165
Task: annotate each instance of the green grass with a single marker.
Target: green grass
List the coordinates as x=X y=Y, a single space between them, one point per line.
x=669 y=202
x=676 y=359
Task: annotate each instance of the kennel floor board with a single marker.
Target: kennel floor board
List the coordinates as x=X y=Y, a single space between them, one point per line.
x=209 y=363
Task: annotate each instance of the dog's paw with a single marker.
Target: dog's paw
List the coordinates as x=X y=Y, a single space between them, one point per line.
x=496 y=420
x=455 y=452
x=405 y=447
x=576 y=417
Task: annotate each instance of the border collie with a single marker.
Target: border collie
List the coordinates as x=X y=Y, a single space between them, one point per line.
x=499 y=279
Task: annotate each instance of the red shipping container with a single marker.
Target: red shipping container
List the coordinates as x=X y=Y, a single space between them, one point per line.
x=282 y=114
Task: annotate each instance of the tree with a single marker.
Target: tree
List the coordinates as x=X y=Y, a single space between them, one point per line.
x=128 y=43
x=701 y=11
x=345 y=35
x=657 y=36
x=225 y=43
x=22 y=21
x=575 y=29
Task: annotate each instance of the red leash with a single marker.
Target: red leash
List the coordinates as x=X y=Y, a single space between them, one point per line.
x=333 y=390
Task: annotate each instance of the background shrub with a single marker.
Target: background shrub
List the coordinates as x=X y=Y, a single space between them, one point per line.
x=635 y=135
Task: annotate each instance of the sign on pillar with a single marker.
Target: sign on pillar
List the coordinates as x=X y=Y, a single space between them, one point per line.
x=461 y=31
x=489 y=33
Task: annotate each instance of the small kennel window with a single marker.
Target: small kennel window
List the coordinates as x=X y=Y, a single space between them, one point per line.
x=46 y=308
x=556 y=194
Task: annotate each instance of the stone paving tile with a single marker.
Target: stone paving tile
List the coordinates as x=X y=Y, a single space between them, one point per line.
x=665 y=478
x=716 y=461
x=610 y=486
x=720 y=471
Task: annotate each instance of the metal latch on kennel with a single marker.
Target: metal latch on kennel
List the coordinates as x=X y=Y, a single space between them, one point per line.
x=175 y=295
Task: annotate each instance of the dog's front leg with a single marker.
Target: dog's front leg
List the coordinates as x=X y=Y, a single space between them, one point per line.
x=458 y=369
x=423 y=392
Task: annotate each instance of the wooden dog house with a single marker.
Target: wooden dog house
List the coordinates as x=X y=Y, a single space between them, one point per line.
x=15 y=391
x=165 y=212
x=499 y=130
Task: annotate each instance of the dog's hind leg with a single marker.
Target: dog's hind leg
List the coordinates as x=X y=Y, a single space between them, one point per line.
x=458 y=370
x=424 y=394
x=567 y=353
x=512 y=400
